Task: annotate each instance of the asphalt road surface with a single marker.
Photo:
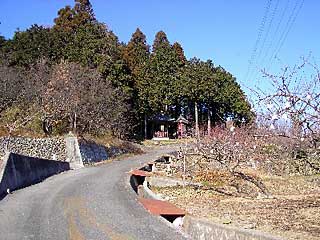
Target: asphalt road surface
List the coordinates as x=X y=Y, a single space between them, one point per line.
x=89 y=203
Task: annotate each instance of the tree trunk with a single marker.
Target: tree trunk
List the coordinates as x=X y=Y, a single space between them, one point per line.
x=209 y=122
x=197 y=118
x=145 y=126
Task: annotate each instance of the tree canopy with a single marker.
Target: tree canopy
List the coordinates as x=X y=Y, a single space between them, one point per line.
x=143 y=83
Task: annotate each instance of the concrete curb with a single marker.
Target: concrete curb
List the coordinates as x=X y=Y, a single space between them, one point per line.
x=147 y=193
x=203 y=229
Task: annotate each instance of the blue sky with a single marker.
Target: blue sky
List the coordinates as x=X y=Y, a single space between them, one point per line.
x=224 y=31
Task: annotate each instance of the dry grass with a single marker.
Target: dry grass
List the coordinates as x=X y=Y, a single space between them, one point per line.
x=293 y=213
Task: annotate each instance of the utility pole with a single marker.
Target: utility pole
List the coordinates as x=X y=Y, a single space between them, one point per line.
x=197 y=119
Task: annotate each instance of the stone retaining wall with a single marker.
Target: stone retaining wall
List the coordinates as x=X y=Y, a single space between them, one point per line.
x=79 y=152
x=60 y=149
x=92 y=152
x=46 y=148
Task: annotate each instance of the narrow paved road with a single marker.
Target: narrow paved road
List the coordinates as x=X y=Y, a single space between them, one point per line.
x=89 y=203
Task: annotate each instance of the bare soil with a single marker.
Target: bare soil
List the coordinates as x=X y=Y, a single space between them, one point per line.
x=292 y=213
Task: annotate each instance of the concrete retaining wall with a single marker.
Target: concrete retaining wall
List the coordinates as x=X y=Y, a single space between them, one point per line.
x=17 y=171
x=199 y=229
x=73 y=153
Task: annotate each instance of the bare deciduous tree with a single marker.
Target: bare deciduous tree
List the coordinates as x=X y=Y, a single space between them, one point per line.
x=85 y=100
x=294 y=101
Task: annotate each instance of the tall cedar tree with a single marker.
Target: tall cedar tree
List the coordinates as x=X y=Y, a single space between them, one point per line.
x=160 y=81
x=69 y=19
x=136 y=56
x=2 y=41
x=79 y=37
x=136 y=53
x=179 y=52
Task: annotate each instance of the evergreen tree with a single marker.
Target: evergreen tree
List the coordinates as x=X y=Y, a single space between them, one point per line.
x=83 y=12
x=28 y=46
x=179 y=52
x=64 y=21
x=195 y=79
x=2 y=50
x=232 y=101
x=69 y=19
x=94 y=46
x=161 y=75
x=163 y=81
x=160 y=41
x=2 y=41
x=136 y=53
x=136 y=56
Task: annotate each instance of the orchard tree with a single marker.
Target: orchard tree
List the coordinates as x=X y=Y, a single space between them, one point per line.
x=293 y=100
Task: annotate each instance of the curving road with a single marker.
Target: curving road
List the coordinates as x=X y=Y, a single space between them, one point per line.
x=89 y=203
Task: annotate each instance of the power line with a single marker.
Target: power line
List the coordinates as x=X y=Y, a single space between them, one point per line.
x=292 y=18
x=260 y=32
x=274 y=11
x=283 y=13
x=290 y=27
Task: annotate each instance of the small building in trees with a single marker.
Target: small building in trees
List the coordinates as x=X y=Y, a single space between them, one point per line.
x=164 y=127
x=161 y=127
